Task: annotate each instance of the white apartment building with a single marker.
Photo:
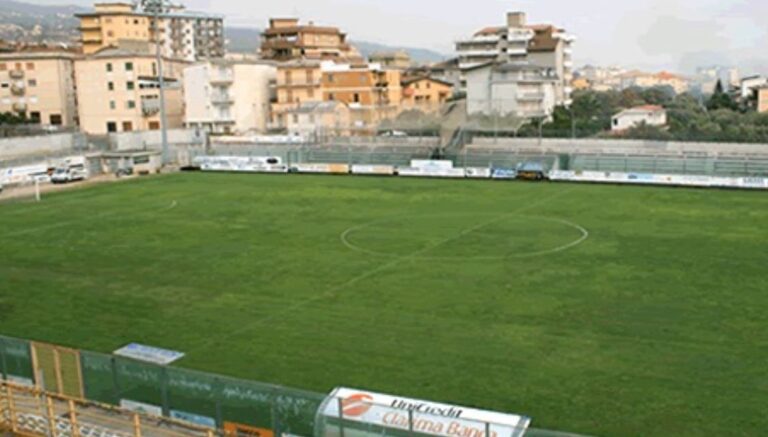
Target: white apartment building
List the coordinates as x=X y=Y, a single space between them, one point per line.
x=650 y=115
x=519 y=89
x=228 y=97
x=749 y=85
x=542 y=45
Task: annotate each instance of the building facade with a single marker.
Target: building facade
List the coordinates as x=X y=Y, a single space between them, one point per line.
x=541 y=45
x=425 y=93
x=182 y=34
x=639 y=79
x=298 y=82
x=39 y=86
x=319 y=120
x=650 y=115
x=123 y=91
x=517 y=89
x=286 y=40
x=399 y=60
x=762 y=99
x=229 y=97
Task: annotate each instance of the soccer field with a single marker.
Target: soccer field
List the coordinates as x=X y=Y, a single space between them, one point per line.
x=602 y=310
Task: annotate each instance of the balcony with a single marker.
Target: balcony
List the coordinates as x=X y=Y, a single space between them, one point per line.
x=91 y=39
x=530 y=97
x=89 y=26
x=20 y=107
x=18 y=89
x=150 y=106
x=16 y=74
x=222 y=78
x=222 y=99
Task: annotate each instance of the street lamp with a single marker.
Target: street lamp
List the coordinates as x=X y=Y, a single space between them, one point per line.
x=157 y=8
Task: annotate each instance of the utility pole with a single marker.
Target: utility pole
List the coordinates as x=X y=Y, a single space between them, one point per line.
x=156 y=7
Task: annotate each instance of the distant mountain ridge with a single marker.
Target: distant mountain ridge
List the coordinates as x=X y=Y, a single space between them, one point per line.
x=28 y=22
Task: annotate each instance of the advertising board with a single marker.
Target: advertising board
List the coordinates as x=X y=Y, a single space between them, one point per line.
x=477 y=172
x=435 y=172
x=432 y=164
x=321 y=168
x=373 y=169
x=149 y=354
x=194 y=419
x=504 y=173
x=250 y=164
x=141 y=407
x=423 y=417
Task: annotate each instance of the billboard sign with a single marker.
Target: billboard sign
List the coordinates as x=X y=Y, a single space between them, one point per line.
x=419 y=416
x=149 y=354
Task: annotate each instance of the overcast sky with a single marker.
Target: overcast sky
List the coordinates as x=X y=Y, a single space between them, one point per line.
x=672 y=34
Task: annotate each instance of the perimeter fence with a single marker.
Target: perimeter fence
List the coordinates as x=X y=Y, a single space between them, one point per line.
x=54 y=391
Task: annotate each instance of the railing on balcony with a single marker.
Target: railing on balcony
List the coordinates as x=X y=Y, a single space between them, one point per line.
x=222 y=77
x=16 y=74
x=222 y=99
x=150 y=106
x=18 y=89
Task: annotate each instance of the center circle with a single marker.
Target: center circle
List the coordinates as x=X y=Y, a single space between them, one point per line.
x=462 y=236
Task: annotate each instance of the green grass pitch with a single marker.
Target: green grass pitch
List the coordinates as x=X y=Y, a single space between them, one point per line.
x=602 y=310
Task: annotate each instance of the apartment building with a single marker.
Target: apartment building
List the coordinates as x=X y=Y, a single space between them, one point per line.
x=372 y=93
x=399 y=60
x=762 y=99
x=182 y=34
x=39 y=85
x=119 y=91
x=425 y=93
x=641 y=79
x=229 y=97
x=541 y=45
x=286 y=39
x=298 y=82
x=506 y=88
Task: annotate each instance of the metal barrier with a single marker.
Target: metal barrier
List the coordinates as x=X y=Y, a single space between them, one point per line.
x=28 y=411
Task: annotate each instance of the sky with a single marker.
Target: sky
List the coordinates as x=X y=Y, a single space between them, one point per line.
x=677 y=35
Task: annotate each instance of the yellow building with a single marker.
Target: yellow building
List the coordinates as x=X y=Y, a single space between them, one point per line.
x=398 y=60
x=184 y=35
x=426 y=93
x=298 y=82
x=372 y=94
x=649 y=80
x=40 y=86
x=762 y=99
x=119 y=91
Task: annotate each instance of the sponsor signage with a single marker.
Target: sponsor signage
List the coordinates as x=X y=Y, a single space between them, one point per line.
x=373 y=169
x=432 y=172
x=432 y=164
x=504 y=173
x=237 y=429
x=195 y=419
x=257 y=164
x=477 y=172
x=322 y=168
x=141 y=407
x=149 y=354
x=423 y=417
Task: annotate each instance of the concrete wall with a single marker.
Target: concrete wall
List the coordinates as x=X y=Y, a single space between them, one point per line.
x=20 y=147
x=621 y=147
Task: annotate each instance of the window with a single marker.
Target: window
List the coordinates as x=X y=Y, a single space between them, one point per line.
x=130 y=86
x=111 y=86
x=3 y=66
x=34 y=116
x=112 y=105
x=141 y=160
x=55 y=119
x=129 y=66
x=154 y=125
x=5 y=85
x=127 y=126
x=295 y=118
x=135 y=21
x=130 y=104
x=310 y=75
x=110 y=34
x=330 y=78
x=109 y=67
x=111 y=126
x=31 y=66
x=311 y=93
x=18 y=66
x=356 y=98
x=32 y=83
x=429 y=85
x=331 y=97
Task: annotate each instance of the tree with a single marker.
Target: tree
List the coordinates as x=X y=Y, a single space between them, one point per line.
x=721 y=99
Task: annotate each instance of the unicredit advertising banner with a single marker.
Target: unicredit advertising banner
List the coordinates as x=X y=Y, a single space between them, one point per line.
x=423 y=417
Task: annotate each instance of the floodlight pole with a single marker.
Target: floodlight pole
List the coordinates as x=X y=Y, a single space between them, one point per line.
x=157 y=7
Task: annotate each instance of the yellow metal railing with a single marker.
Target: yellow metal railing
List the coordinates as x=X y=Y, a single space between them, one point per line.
x=28 y=411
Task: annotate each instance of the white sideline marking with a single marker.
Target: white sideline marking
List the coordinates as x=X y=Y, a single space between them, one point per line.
x=333 y=289
x=28 y=231
x=584 y=236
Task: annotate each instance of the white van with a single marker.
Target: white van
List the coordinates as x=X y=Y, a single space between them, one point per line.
x=72 y=169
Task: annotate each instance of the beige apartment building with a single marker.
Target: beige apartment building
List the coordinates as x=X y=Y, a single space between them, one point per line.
x=297 y=82
x=39 y=85
x=373 y=94
x=183 y=34
x=426 y=93
x=649 y=80
x=286 y=39
x=762 y=99
x=119 y=91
